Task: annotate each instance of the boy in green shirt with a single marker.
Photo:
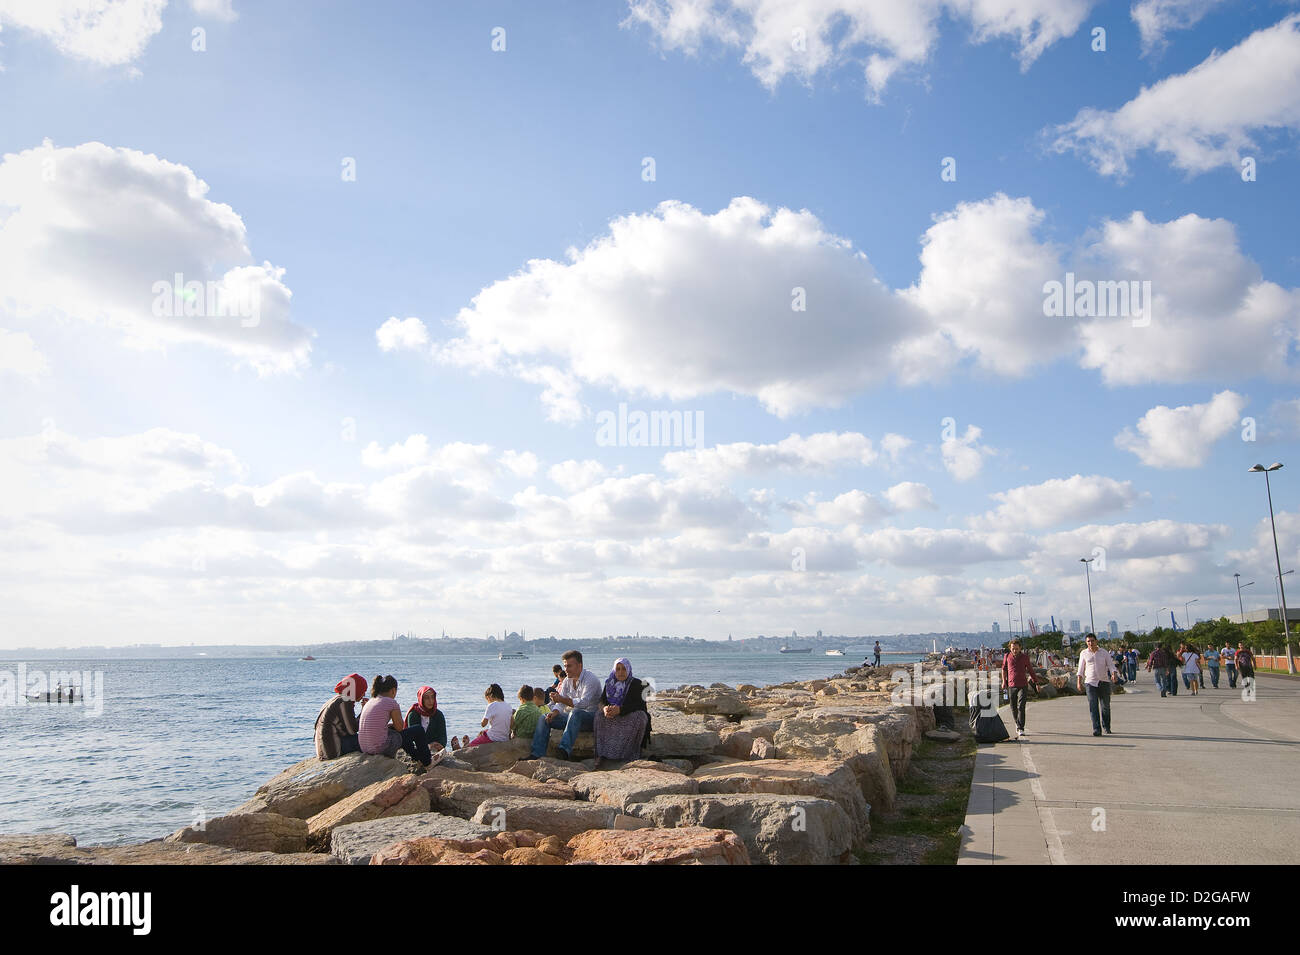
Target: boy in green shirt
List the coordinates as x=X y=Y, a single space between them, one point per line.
x=526 y=717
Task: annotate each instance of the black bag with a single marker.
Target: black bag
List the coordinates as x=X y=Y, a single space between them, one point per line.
x=984 y=720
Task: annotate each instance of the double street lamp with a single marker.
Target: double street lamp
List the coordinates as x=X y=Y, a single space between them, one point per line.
x=1240 y=606
x=1186 y=615
x=1281 y=589
x=1020 y=595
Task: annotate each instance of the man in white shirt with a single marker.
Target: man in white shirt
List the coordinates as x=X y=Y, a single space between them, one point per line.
x=1097 y=672
x=580 y=689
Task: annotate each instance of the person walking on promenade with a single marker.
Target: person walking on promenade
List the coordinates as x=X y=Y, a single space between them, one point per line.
x=1172 y=662
x=1133 y=664
x=1229 y=658
x=1191 y=669
x=1157 y=664
x=1212 y=664
x=1245 y=663
x=1018 y=677
x=1097 y=672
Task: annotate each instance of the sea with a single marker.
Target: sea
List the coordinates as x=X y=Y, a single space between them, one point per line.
x=174 y=741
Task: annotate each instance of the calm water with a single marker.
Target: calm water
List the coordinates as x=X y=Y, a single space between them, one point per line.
x=181 y=738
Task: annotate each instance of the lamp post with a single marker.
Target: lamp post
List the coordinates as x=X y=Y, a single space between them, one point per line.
x=1281 y=589
x=1240 y=606
x=1087 y=572
x=1186 y=615
x=1007 y=604
x=1158 y=613
x=1137 y=624
x=1277 y=580
x=1020 y=595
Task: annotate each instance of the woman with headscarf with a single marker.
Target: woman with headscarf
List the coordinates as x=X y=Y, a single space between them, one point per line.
x=622 y=723
x=336 y=724
x=425 y=714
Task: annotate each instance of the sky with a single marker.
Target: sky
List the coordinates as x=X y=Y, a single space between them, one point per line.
x=320 y=322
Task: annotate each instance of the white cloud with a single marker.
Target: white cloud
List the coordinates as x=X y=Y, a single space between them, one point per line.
x=941 y=548
x=1057 y=501
x=401 y=333
x=215 y=9
x=103 y=32
x=893 y=445
x=520 y=463
x=1155 y=18
x=909 y=496
x=1213 y=315
x=964 y=456
x=1209 y=116
x=19 y=356
x=1182 y=437
x=576 y=475
x=1158 y=538
x=95 y=233
x=679 y=304
x=821 y=452
x=879 y=36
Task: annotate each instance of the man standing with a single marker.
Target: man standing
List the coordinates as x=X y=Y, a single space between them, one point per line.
x=1133 y=664
x=1096 y=671
x=1156 y=664
x=876 y=663
x=580 y=691
x=1229 y=658
x=1017 y=677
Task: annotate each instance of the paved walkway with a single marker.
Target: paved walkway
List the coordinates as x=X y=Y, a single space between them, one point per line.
x=1207 y=779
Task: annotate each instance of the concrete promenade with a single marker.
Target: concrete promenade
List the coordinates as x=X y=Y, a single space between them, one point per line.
x=1208 y=779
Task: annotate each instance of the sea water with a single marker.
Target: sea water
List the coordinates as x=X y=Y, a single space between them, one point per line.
x=180 y=740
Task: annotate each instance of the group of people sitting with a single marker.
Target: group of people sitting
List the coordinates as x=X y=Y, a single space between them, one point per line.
x=577 y=700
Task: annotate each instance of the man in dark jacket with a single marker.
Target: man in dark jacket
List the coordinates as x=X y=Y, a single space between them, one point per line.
x=1018 y=677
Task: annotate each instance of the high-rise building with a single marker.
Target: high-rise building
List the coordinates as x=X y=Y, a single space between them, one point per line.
x=1074 y=626
x=998 y=629
x=1113 y=627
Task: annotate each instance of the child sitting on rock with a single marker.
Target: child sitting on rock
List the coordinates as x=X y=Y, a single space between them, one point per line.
x=526 y=717
x=496 y=719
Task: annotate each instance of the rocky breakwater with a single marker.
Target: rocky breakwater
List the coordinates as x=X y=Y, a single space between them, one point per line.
x=787 y=774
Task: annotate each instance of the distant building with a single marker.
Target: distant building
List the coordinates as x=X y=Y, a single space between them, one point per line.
x=1113 y=627
x=996 y=627
x=1074 y=626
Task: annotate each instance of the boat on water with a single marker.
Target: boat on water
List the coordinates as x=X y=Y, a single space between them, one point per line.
x=308 y=657
x=799 y=650
x=59 y=694
x=512 y=656
x=835 y=653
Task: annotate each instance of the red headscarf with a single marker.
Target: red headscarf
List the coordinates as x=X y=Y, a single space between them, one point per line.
x=352 y=687
x=419 y=701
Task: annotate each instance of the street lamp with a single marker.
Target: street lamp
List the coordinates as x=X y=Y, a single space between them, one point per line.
x=1087 y=572
x=1281 y=589
x=1187 y=616
x=1137 y=624
x=1007 y=604
x=1020 y=595
x=1240 y=606
x=1276 y=579
x=1158 y=613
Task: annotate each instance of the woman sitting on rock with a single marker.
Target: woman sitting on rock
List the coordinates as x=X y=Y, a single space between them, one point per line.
x=622 y=723
x=425 y=714
x=382 y=729
x=336 y=724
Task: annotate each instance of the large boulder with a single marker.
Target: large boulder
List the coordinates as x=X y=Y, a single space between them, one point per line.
x=779 y=830
x=37 y=849
x=686 y=846
x=558 y=817
x=401 y=796
x=306 y=788
x=545 y=770
x=824 y=779
x=249 y=831
x=497 y=849
x=357 y=843
x=821 y=732
x=624 y=786
x=458 y=793
x=494 y=757
x=680 y=734
x=62 y=850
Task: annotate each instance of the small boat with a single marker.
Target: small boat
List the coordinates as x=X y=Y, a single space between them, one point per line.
x=512 y=656
x=835 y=653
x=793 y=650
x=57 y=695
x=308 y=657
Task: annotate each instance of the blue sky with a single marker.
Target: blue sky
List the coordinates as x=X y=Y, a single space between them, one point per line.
x=176 y=479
